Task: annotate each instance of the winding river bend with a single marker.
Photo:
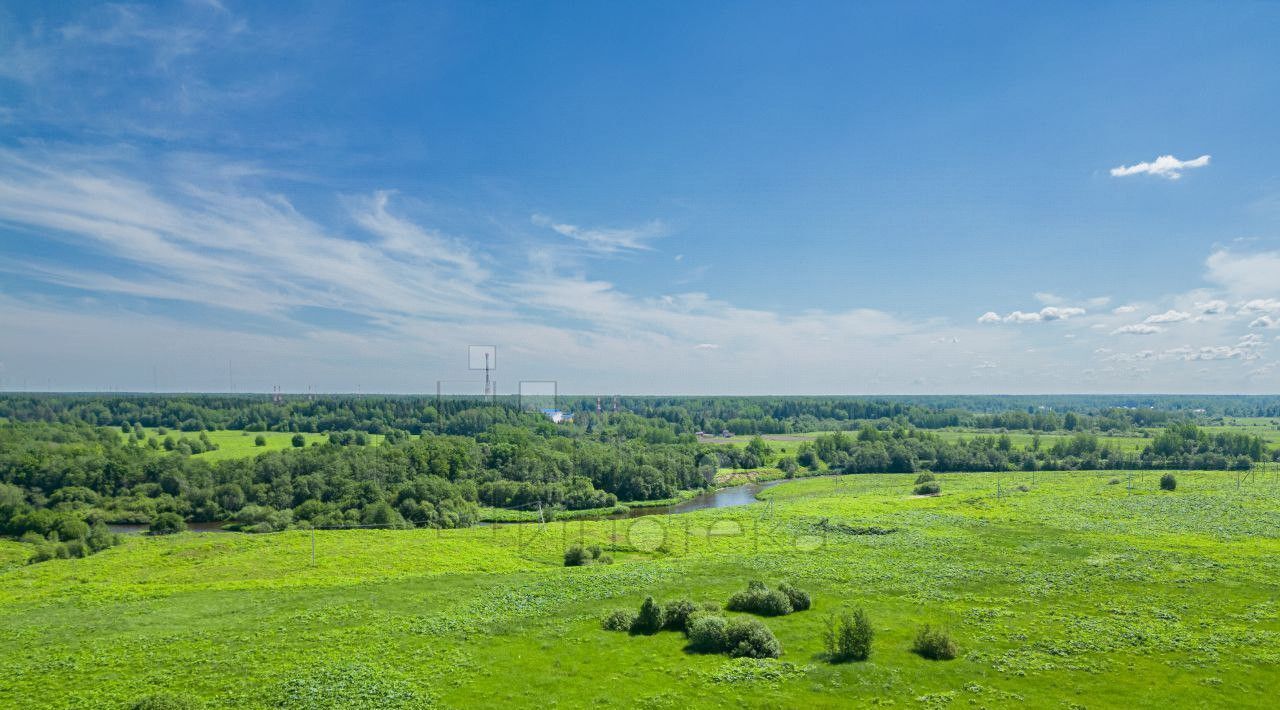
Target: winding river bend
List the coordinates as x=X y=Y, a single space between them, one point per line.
x=720 y=498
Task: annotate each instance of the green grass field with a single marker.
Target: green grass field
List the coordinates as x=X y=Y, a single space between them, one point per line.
x=1077 y=592
x=233 y=444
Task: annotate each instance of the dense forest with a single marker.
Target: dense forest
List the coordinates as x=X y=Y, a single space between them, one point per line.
x=71 y=464
x=379 y=414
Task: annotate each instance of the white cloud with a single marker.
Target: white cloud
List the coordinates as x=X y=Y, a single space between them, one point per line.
x=1020 y=317
x=1120 y=310
x=606 y=241
x=1054 y=313
x=1137 y=329
x=1048 y=313
x=1165 y=166
x=1265 y=322
x=1260 y=305
x=706 y=346
x=1211 y=308
x=1248 y=275
x=1169 y=316
x=1048 y=299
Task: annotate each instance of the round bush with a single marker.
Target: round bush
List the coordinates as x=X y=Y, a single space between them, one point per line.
x=934 y=644
x=706 y=633
x=576 y=556
x=619 y=620
x=928 y=489
x=167 y=523
x=675 y=614
x=799 y=598
x=750 y=638
x=774 y=603
x=924 y=478
x=649 y=621
x=1168 y=482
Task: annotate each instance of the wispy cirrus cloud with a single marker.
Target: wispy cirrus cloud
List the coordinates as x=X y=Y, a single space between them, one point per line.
x=606 y=240
x=1165 y=166
x=1137 y=329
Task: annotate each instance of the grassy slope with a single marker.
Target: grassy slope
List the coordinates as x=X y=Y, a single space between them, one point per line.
x=1074 y=592
x=240 y=444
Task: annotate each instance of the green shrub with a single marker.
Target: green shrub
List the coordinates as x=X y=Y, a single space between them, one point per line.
x=605 y=559
x=675 y=614
x=164 y=701
x=799 y=598
x=1168 y=482
x=576 y=556
x=934 y=644
x=706 y=633
x=1113 y=482
x=619 y=620
x=848 y=637
x=750 y=638
x=167 y=523
x=259 y=440
x=925 y=477
x=298 y=441
x=928 y=489
x=649 y=621
x=595 y=551
x=759 y=599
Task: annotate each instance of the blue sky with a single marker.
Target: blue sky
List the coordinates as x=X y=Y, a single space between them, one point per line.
x=648 y=198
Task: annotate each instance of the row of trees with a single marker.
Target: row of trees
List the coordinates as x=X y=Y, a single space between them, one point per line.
x=1180 y=446
x=677 y=415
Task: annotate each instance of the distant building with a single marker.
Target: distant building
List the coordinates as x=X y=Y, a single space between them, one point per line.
x=558 y=417
x=726 y=433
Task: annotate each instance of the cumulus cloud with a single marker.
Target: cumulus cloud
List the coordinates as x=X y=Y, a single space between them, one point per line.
x=1048 y=313
x=1211 y=308
x=706 y=346
x=1169 y=316
x=1121 y=310
x=1265 y=322
x=1260 y=305
x=1137 y=329
x=1248 y=275
x=1165 y=166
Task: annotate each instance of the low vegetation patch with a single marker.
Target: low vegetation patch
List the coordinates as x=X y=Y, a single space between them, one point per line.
x=578 y=556
x=1168 y=482
x=935 y=644
x=619 y=620
x=759 y=599
x=931 y=488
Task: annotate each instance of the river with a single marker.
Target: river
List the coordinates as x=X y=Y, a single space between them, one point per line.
x=720 y=498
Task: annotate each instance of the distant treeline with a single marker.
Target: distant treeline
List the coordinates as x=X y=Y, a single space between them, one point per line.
x=683 y=415
x=1180 y=446
x=69 y=464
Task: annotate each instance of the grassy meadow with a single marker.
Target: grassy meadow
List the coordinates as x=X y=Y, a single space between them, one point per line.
x=1085 y=589
x=236 y=444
